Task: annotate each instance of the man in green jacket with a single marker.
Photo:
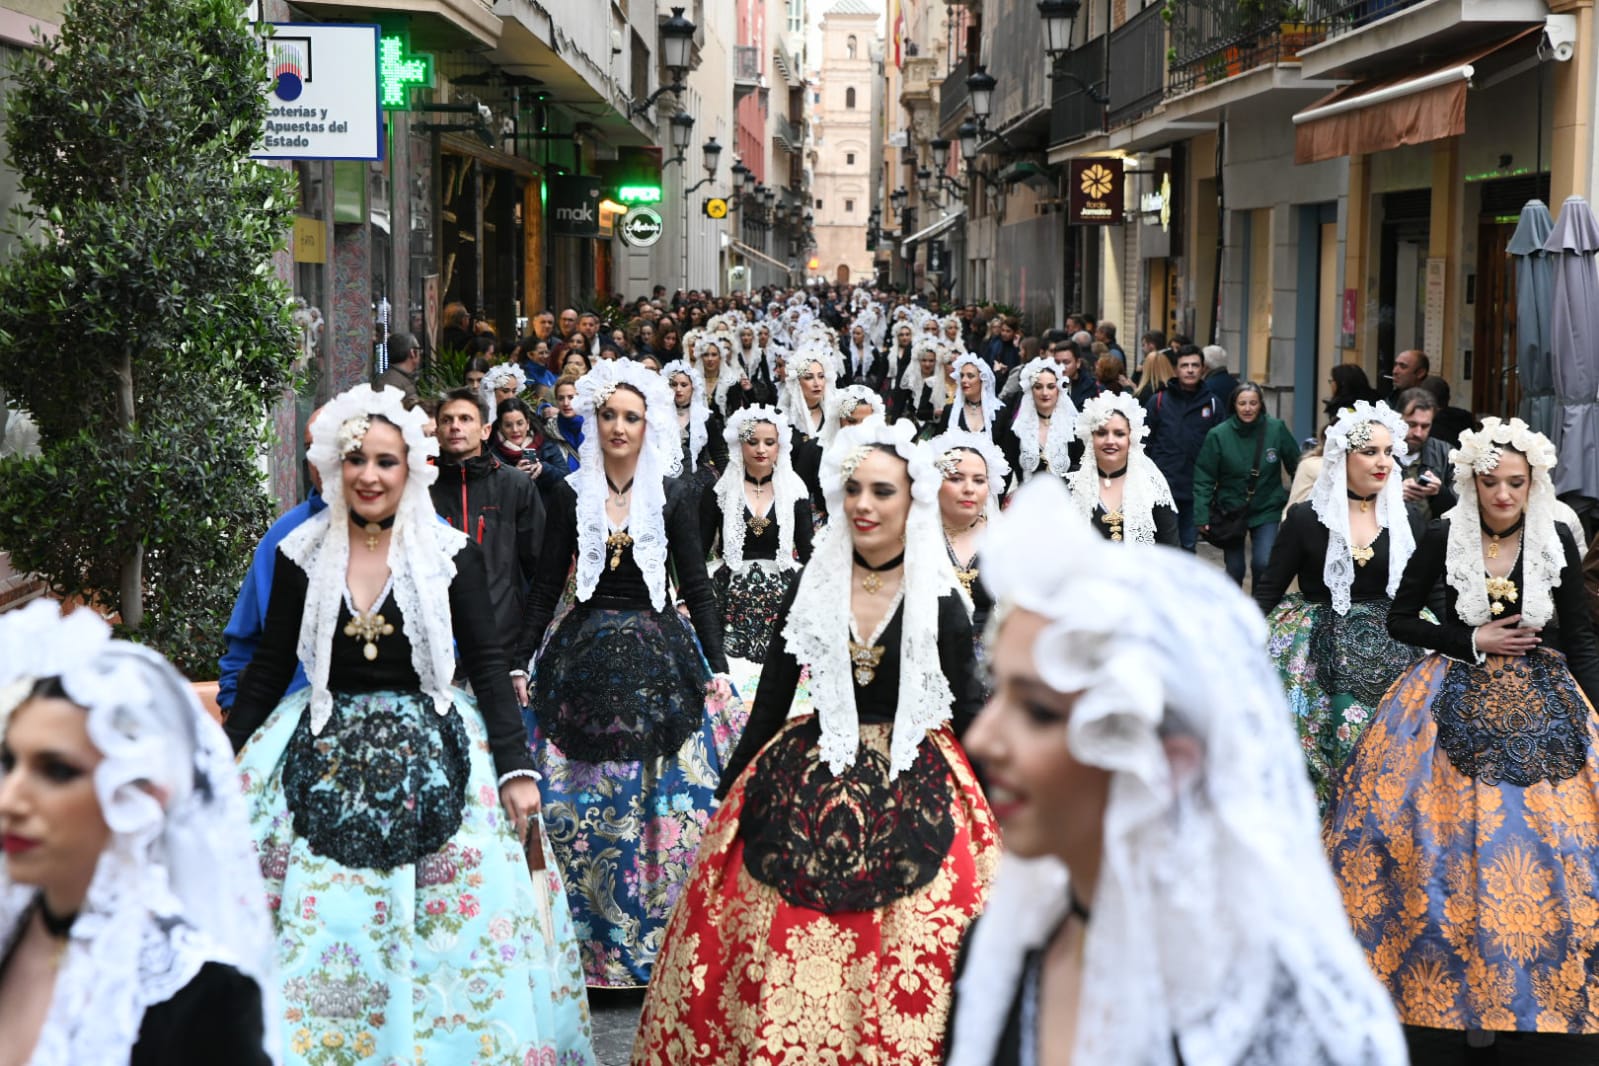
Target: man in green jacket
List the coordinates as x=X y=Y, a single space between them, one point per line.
x=1223 y=481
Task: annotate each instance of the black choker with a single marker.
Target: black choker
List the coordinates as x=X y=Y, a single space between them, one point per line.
x=59 y=927
x=1514 y=527
x=620 y=492
x=871 y=583
x=372 y=529
x=1111 y=477
x=758 y=482
x=1364 y=501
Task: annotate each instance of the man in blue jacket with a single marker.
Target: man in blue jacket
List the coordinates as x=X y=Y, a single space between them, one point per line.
x=248 y=621
x=1178 y=417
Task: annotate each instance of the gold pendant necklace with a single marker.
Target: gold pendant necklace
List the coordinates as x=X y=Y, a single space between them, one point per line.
x=372 y=530
x=1113 y=522
x=368 y=627
x=871 y=584
x=757 y=524
x=1362 y=554
x=618 y=542
x=1501 y=588
x=865 y=658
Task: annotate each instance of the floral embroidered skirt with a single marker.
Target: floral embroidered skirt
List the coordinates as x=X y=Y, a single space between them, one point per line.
x=453 y=953
x=750 y=975
x=749 y=602
x=1335 y=671
x=626 y=830
x=1465 y=840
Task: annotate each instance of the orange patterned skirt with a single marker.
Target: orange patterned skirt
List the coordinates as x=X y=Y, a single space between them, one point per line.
x=748 y=976
x=1465 y=841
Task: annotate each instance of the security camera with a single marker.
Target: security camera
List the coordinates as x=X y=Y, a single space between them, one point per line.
x=1559 y=38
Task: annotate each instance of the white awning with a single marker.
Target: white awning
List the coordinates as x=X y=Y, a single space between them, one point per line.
x=745 y=250
x=934 y=230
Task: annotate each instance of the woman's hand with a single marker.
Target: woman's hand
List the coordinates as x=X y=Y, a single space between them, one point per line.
x=1503 y=637
x=520 y=798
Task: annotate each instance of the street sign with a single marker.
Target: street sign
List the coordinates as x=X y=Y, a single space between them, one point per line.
x=322 y=93
x=642 y=227
x=715 y=207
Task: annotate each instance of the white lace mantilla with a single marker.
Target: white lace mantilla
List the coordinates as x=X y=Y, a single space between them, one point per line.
x=792 y=401
x=1217 y=927
x=844 y=403
x=698 y=413
x=421 y=558
x=819 y=620
x=658 y=460
x=990 y=401
x=178 y=885
x=1330 y=500
x=1144 y=487
x=994 y=463
x=787 y=489
x=915 y=381
x=1057 y=452
x=1542 y=556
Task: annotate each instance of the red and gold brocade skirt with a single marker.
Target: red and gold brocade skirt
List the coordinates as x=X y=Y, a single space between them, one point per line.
x=745 y=976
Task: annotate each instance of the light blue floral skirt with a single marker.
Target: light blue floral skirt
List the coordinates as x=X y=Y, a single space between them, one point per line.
x=457 y=955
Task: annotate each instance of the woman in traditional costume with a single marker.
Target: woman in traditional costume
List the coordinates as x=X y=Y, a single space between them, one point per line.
x=1117 y=487
x=853 y=845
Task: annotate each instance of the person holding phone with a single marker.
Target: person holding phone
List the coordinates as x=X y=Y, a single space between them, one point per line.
x=1428 y=493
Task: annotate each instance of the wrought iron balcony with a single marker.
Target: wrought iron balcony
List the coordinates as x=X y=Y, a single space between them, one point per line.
x=953 y=94
x=1213 y=40
x=1331 y=18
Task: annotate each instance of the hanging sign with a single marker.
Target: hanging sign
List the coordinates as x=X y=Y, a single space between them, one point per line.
x=716 y=207
x=574 y=206
x=1096 y=193
x=322 y=94
x=642 y=227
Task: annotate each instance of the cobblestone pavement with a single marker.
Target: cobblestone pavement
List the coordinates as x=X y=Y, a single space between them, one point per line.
x=615 y=1015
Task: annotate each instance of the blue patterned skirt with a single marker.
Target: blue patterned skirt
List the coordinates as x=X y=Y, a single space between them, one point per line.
x=1465 y=840
x=626 y=829
x=409 y=928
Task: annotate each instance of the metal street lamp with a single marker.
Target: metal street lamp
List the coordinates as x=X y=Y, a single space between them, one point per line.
x=980 y=86
x=940 y=147
x=681 y=131
x=711 y=152
x=1059 y=17
x=677 y=40
x=739 y=170
x=747 y=179
x=967 y=135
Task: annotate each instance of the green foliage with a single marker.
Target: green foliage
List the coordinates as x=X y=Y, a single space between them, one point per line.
x=141 y=322
x=443 y=371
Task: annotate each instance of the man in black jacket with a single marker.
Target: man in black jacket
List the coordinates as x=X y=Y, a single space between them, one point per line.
x=1178 y=418
x=498 y=507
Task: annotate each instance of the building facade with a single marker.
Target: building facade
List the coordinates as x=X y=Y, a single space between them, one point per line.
x=843 y=127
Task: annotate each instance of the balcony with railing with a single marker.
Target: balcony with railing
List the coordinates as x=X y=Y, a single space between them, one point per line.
x=1138 y=66
x=746 y=67
x=790 y=135
x=1213 y=40
x=1073 y=113
x=1333 y=18
x=953 y=96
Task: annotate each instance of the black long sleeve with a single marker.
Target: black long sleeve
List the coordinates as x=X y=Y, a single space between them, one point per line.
x=214 y=1020
x=1425 y=570
x=530 y=521
x=959 y=660
x=710 y=518
x=1577 y=637
x=803 y=531
x=1165 y=525
x=688 y=561
x=560 y=548
x=482 y=652
x=264 y=681
x=1287 y=556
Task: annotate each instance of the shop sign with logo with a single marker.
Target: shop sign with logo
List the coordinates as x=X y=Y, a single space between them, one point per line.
x=322 y=93
x=716 y=207
x=574 y=206
x=642 y=227
x=1096 y=194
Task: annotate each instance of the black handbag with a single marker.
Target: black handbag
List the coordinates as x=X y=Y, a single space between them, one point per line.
x=1227 y=528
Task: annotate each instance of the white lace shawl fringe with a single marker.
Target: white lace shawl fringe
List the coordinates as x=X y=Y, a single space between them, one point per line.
x=787 y=491
x=1061 y=424
x=1144 y=488
x=1329 y=498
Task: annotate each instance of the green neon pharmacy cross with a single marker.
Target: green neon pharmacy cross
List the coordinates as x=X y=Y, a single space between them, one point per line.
x=399 y=72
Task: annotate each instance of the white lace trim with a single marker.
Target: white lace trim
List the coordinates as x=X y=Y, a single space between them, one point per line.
x=1217 y=922
x=915 y=382
x=1330 y=500
x=990 y=401
x=1144 y=487
x=787 y=489
x=421 y=554
x=178 y=885
x=845 y=401
x=498 y=376
x=1541 y=552
x=819 y=619
x=993 y=460
x=698 y=413
x=659 y=459
x=1061 y=424
x=792 y=401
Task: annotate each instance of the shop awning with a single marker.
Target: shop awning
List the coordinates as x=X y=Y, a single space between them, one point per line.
x=1379 y=114
x=932 y=231
x=754 y=253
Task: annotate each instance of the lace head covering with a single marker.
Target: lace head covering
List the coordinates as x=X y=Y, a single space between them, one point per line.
x=178 y=884
x=860 y=355
x=1143 y=486
x=1542 y=556
x=659 y=458
x=990 y=401
x=946 y=449
x=421 y=548
x=498 y=377
x=915 y=380
x=842 y=404
x=818 y=626
x=793 y=402
x=1217 y=929
x=1057 y=451
x=1330 y=499
x=698 y=413
x=787 y=488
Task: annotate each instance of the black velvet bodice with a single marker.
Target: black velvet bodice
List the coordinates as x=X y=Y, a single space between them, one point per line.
x=1301 y=552
x=762 y=545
